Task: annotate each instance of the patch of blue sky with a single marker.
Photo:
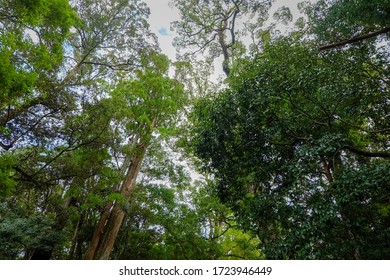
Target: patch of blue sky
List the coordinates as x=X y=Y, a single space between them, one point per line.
x=163 y=31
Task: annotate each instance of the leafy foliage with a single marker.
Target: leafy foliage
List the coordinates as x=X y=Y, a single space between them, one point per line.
x=31 y=45
x=281 y=139
x=340 y=19
x=94 y=131
x=21 y=236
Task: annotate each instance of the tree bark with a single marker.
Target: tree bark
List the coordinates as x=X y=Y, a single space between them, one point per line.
x=99 y=230
x=225 y=52
x=110 y=233
x=112 y=217
x=327 y=171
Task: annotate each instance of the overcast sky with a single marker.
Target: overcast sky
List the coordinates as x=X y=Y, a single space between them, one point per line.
x=161 y=15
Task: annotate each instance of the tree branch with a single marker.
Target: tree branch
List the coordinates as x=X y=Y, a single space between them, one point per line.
x=367 y=153
x=70 y=149
x=355 y=39
x=14 y=112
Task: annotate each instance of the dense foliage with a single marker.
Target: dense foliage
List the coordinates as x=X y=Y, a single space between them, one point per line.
x=98 y=150
x=86 y=104
x=298 y=144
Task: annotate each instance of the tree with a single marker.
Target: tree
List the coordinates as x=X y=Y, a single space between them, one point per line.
x=299 y=148
x=196 y=76
x=342 y=22
x=146 y=103
x=109 y=40
x=31 y=52
x=213 y=25
x=170 y=217
x=91 y=126
x=59 y=61
x=32 y=35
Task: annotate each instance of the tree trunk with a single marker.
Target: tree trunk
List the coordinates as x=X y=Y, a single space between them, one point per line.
x=99 y=230
x=327 y=171
x=112 y=216
x=110 y=233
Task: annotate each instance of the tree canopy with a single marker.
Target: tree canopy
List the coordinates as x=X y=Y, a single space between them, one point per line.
x=109 y=150
x=298 y=144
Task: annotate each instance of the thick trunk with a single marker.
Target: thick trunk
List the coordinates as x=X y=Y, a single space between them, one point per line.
x=105 y=215
x=110 y=234
x=111 y=220
x=99 y=230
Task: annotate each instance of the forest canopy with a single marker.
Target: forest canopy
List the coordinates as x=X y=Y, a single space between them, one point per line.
x=109 y=150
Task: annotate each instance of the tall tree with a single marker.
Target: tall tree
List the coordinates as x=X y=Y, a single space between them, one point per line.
x=59 y=61
x=31 y=50
x=299 y=148
x=143 y=104
x=214 y=26
x=109 y=39
x=152 y=229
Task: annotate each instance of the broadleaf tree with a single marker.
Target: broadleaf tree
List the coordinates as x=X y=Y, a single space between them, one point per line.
x=215 y=28
x=298 y=145
x=57 y=144
x=142 y=104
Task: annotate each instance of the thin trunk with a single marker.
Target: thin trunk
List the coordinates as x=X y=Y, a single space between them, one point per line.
x=72 y=252
x=225 y=47
x=327 y=171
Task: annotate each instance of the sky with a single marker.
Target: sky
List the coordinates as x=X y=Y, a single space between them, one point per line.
x=161 y=16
